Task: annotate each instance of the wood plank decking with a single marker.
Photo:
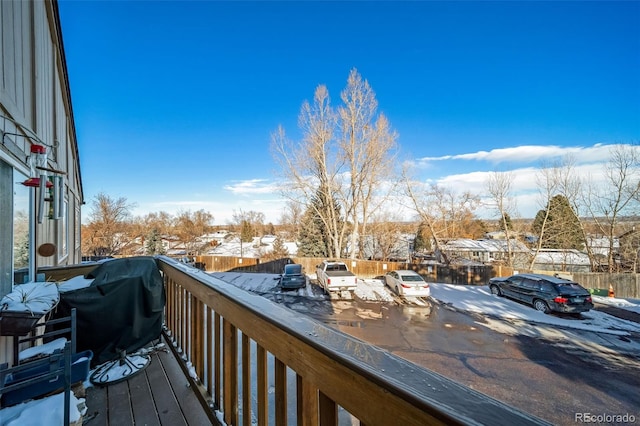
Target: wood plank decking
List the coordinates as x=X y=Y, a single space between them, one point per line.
x=161 y=395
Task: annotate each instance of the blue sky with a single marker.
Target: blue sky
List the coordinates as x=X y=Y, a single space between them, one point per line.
x=174 y=102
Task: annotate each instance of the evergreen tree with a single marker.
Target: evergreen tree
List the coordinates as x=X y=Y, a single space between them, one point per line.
x=506 y=223
x=562 y=229
x=311 y=241
x=279 y=251
x=153 y=244
x=422 y=242
x=246 y=231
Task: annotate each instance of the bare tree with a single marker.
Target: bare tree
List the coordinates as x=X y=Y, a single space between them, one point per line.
x=105 y=234
x=252 y=222
x=310 y=166
x=559 y=179
x=384 y=240
x=337 y=168
x=439 y=209
x=617 y=197
x=189 y=227
x=291 y=219
x=368 y=145
x=499 y=187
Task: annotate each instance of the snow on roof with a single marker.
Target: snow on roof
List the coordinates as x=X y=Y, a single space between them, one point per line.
x=256 y=248
x=558 y=257
x=489 y=245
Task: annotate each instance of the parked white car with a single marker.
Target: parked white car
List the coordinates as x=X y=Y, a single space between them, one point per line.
x=407 y=283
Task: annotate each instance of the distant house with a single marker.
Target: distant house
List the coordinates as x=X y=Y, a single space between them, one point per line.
x=487 y=251
x=255 y=249
x=562 y=260
x=394 y=247
x=600 y=246
x=218 y=237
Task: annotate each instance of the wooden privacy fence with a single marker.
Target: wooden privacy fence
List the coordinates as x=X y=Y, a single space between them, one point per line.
x=624 y=285
x=240 y=343
x=470 y=275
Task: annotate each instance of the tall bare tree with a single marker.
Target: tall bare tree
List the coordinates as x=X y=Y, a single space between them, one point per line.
x=559 y=179
x=341 y=159
x=500 y=189
x=309 y=167
x=368 y=145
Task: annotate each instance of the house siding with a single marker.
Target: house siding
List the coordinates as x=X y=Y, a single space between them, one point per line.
x=35 y=107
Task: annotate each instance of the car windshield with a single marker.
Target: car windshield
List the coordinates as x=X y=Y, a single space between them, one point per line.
x=406 y=278
x=293 y=269
x=564 y=286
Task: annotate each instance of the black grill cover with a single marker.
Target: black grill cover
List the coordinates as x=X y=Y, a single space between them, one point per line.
x=122 y=309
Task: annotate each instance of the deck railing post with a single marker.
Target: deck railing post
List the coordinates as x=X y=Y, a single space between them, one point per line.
x=230 y=372
x=280 y=378
x=307 y=401
x=217 y=350
x=246 y=380
x=263 y=401
x=328 y=410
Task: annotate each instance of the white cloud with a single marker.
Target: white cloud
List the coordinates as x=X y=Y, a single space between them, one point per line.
x=528 y=154
x=252 y=186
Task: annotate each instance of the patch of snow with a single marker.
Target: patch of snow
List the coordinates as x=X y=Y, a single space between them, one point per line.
x=45 y=349
x=74 y=283
x=373 y=290
x=632 y=305
x=34 y=297
x=117 y=371
x=42 y=412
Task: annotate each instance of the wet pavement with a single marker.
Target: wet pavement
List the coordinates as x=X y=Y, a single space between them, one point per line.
x=532 y=373
x=553 y=373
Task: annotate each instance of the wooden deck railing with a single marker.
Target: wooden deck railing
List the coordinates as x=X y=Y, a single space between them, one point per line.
x=257 y=362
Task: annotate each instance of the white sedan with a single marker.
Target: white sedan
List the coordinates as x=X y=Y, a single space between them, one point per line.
x=407 y=283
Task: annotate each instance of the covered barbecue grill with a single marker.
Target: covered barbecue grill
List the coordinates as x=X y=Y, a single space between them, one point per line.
x=120 y=311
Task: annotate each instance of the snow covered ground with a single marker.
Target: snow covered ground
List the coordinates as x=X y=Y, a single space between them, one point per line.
x=478 y=299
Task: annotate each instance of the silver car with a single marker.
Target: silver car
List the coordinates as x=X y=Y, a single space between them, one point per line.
x=407 y=283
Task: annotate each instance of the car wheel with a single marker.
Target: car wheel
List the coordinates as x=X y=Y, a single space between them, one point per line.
x=541 y=305
x=495 y=290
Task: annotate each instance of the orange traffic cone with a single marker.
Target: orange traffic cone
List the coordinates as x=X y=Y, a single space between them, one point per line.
x=611 y=294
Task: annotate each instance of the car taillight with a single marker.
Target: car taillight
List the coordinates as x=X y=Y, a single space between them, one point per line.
x=328 y=281
x=405 y=285
x=561 y=299
x=588 y=299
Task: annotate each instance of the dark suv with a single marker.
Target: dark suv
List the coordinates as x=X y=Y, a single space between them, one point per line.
x=544 y=292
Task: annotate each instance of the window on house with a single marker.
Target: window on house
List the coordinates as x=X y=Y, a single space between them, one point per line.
x=14 y=226
x=20 y=222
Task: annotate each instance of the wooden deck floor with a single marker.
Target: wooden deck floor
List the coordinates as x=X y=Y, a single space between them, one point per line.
x=161 y=395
